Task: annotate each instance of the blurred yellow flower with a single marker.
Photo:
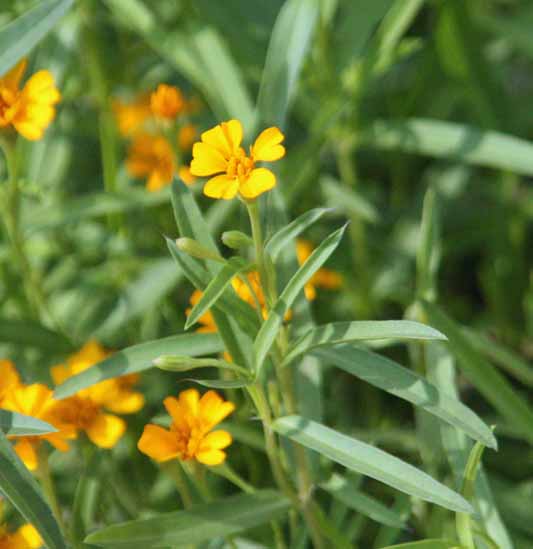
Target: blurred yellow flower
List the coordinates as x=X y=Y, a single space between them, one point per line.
x=244 y=291
x=9 y=378
x=167 y=102
x=131 y=117
x=26 y=537
x=36 y=400
x=190 y=436
x=86 y=410
x=206 y=321
x=151 y=156
x=323 y=278
x=220 y=152
x=30 y=109
x=186 y=136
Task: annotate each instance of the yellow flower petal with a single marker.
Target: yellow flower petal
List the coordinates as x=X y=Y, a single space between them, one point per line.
x=189 y=401
x=106 y=430
x=267 y=146
x=11 y=80
x=211 y=457
x=213 y=409
x=186 y=176
x=222 y=186
x=259 y=181
x=9 y=378
x=29 y=536
x=126 y=402
x=27 y=452
x=207 y=160
x=226 y=138
x=217 y=440
x=40 y=88
x=158 y=443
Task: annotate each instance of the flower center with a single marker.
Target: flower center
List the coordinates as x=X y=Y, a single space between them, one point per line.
x=7 y=99
x=240 y=165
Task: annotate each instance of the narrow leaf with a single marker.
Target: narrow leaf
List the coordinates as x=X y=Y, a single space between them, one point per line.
x=196 y=525
x=19 y=37
x=427 y=544
x=22 y=490
x=140 y=357
x=269 y=330
x=403 y=383
x=427 y=258
x=30 y=333
x=360 y=330
x=370 y=461
x=222 y=383
x=348 y=200
x=13 y=423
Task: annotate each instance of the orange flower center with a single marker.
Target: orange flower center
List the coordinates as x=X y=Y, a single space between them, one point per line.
x=7 y=99
x=189 y=440
x=240 y=165
x=81 y=412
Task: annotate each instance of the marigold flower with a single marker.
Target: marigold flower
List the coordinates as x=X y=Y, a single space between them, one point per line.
x=26 y=537
x=86 y=410
x=36 y=400
x=191 y=434
x=30 y=109
x=323 y=278
x=167 y=102
x=220 y=152
x=151 y=156
x=9 y=378
x=131 y=117
x=206 y=321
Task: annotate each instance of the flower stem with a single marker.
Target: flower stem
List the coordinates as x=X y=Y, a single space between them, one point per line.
x=47 y=483
x=174 y=470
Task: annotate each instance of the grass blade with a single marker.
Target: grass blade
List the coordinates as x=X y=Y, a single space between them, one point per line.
x=370 y=461
x=13 y=423
x=30 y=333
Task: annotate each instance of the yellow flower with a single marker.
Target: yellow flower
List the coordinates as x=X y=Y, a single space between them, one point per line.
x=151 y=156
x=9 y=378
x=36 y=400
x=323 y=278
x=186 y=136
x=190 y=435
x=220 y=152
x=243 y=291
x=131 y=117
x=30 y=109
x=167 y=102
x=26 y=537
x=86 y=410
x=206 y=321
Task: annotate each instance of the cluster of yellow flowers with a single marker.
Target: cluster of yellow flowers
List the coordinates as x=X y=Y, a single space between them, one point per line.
x=158 y=125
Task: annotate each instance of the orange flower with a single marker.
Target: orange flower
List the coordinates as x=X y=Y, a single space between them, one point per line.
x=206 y=321
x=86 y=410
x=131 y=117
x=220 y=152
x=191 y=434
x=26 y=537
x=37 y=401
x=244 y=292
x=186 y=136
x=151 y=156
x=167 y=102
x=30 y=109
x=9 y=378
x=323 y=278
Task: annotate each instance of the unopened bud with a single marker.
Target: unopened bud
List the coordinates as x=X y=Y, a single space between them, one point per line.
x=195 y=249
x=236 y=240
x=178 y=363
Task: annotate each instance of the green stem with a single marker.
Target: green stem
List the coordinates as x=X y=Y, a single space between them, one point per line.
x=47 y=483
x=174 y=470
x=226 y=471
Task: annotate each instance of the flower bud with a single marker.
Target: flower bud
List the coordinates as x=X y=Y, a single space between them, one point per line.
x=195 y=249
x=236 y=240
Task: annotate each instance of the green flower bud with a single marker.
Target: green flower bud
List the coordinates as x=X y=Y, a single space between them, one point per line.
x=195 y=249
x=236 y=240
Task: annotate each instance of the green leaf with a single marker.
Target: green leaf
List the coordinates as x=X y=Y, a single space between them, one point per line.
x=449 y=140
x=30 y=333
x=403 y=383
x=289 y=232
x=348 y=200
x=485 y=377
x=427 y=544
x=222 y=383
x=289 y=44
x=342 y=489
x=13 y=423
x=200 y=523
x=19 y=37
x=360 y=330
x=22 y=490
x=216 y=288
x=140 y=357
x=367 y=460
x=269 y=330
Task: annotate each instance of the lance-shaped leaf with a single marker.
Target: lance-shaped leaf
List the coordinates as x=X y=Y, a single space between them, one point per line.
x=198 y=524
x=403 y=383
x=216 y=288
x=21 y=35
x=284 y=236
x=140 y=357
x=30 y=333
x=427 y=544
x=13 y=423
x=370 y=461
x=269 y=330
x=22 y=490
x=360 y=330
x=343 y=490
x=483 y=375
